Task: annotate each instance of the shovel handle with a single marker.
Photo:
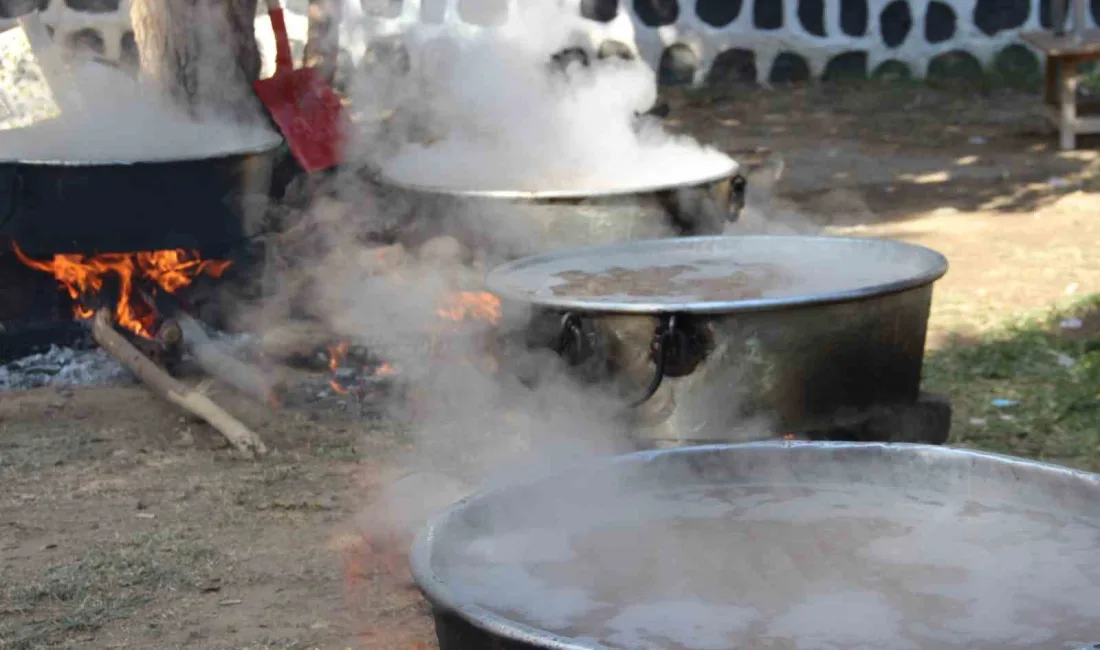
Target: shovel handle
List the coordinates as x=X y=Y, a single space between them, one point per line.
x=284 y=60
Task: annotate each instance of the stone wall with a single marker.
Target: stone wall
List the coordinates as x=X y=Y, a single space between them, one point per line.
x=688 y=40
x=725 y=41
x=102 y=27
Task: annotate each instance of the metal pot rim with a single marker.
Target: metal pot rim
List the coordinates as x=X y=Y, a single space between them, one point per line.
x=267 y=146
x=937 y=268
x=438 y=595
x=547 y=195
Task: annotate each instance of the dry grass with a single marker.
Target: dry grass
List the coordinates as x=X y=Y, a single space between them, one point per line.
x=105 y=583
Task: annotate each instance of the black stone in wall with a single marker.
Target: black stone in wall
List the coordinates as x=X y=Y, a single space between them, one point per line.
x=853 y=17
x=955 y=65
x=678 y=65
x=87 y=39
x=895 y=21
x=15 y=8
x=789 y=67
x=848 y=65
x=603 y=11
x=718 y=13
x=657 y=13
x=1018 y=66
x=994 y=16
x=612 y=48
x=129 y=49
x=939 y=23
x=732 y=67
x=768 y=14
x=1046 y=19
x=93 y=6
x=811 y=13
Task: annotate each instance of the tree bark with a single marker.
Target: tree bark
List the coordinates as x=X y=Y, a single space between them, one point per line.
x=201 y=53
x=323 y=45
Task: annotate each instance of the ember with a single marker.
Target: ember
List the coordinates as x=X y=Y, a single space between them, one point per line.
x=477 y=305
x=336 y=354
x=346 y=376
x=83 y=277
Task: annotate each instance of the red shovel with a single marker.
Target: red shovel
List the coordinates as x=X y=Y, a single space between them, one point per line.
x=304 y=107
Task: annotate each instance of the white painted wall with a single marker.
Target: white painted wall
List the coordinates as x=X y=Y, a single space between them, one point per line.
x=706 y=41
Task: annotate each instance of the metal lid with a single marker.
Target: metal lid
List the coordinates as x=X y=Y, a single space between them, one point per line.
x=726 y=171
x=602 y=490
x=717 y=274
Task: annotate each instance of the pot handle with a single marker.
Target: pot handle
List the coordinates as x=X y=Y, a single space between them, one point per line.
x=668 y=340
x=13 y=199
x=570 y=342
x=663 y=341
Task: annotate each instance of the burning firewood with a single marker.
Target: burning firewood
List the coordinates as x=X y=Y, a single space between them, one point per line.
x=218 y=364
x=240 y=436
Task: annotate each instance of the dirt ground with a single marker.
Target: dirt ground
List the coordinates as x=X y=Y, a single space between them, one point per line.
x=125 y=525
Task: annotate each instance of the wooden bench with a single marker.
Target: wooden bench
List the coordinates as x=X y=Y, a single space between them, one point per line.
x=1064 y=55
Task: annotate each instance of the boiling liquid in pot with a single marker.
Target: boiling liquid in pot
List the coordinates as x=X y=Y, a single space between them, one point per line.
x=792 y=567
x=747 y=282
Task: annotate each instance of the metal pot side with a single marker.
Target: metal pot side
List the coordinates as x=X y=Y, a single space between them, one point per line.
x=203 y=203
x=569 y=219
x=792 y=371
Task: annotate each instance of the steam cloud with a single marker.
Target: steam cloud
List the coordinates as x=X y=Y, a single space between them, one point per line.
x=491 y=115
x=116 y=116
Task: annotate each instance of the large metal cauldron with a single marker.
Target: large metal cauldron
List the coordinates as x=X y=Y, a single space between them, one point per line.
x=833 y=342
x=562 y=219
x=51 y=207
x=772 y=545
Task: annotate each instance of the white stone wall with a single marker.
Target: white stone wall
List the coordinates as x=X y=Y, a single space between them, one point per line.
x=70 y=26
x=697 y=45
x=703 y=44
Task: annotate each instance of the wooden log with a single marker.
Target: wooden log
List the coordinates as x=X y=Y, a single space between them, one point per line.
x=243 y=439
x=247 y=379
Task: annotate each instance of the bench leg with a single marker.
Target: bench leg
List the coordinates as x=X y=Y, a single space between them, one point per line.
x=1067 y=121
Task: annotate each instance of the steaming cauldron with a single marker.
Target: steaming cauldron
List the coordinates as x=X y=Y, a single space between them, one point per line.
x=50 y=206
x=564 y=218
x=728 y=339
x=772 y=545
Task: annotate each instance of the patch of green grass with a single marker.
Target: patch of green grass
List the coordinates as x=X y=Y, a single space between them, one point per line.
x=1050 y=372
x=103 y=584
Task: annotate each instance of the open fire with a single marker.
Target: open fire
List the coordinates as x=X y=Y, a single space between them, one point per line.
x=455 y=307
x=470 y=305
x=84 y=278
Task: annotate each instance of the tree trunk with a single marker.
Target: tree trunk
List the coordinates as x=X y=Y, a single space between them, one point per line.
x=323 y=46
x=201 y=53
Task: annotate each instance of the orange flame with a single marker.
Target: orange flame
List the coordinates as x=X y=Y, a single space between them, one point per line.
x=83 y=277
x=336 y=354
x=385 y=370
x=463 y=305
